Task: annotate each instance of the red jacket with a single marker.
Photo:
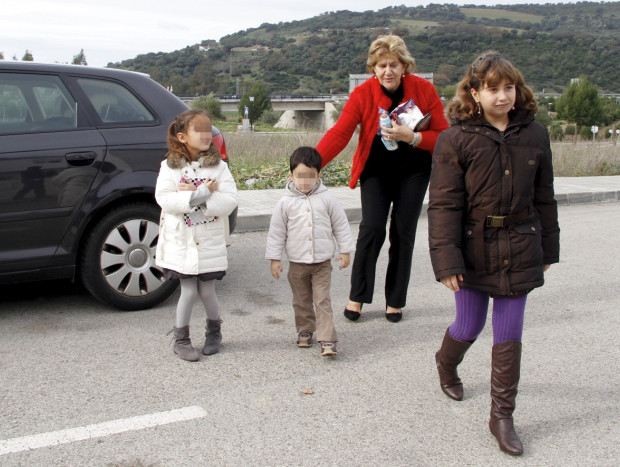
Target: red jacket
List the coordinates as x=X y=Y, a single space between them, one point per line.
x=362 y=109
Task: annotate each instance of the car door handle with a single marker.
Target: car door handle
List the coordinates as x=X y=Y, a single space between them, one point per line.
x=80 y=158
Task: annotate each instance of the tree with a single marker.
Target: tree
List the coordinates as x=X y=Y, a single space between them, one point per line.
x=27 y=57
x=1 y=55
x=556 y=132
x=585 y=133
x=543 y=116
x=611 y=110
x=580 y=104
x=79 y=59
x=261 y=102
x=210 y=104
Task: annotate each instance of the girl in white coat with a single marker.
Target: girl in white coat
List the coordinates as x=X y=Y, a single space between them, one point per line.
x=196 y=192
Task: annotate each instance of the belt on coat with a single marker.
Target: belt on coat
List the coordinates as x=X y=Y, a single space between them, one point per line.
x=481 y=221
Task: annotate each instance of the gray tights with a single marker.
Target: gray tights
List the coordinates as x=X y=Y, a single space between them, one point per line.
x=191 y=289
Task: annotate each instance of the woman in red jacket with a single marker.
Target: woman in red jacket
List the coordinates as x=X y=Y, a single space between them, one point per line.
x=396 y=178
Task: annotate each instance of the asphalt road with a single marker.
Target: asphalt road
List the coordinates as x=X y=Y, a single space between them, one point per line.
x=81 y=384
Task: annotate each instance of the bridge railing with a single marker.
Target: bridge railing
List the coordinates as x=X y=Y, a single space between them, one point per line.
x=279 y=97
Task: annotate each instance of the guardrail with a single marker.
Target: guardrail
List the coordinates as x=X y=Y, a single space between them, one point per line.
x=280 y=97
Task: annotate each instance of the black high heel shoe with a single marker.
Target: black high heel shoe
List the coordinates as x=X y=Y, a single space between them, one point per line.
x=394 y=317
x=351 y=315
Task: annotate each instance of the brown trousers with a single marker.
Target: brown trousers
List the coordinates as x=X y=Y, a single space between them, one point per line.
x=310 y=284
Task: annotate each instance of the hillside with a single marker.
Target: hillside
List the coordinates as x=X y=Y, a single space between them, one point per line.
x=550 y=43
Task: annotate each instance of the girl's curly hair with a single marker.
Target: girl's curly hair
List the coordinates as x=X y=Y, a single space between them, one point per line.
x=489 y=68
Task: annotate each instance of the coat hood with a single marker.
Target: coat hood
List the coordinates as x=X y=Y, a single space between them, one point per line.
x=517 y=117
x=291 y=189
x=209 y=158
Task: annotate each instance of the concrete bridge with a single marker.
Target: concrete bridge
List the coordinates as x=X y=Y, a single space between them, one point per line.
x=300 y=111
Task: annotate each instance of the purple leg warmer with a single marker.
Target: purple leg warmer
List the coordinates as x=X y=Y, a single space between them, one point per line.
x=471 y=314
x=508 y=313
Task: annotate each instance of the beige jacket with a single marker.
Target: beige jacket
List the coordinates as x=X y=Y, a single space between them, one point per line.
x=309 y=228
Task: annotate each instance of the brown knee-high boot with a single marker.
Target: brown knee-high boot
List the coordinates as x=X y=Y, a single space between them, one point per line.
x=448 y=358
x=505 y=372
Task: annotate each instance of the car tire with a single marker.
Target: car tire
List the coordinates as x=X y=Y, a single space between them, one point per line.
x=117 y=261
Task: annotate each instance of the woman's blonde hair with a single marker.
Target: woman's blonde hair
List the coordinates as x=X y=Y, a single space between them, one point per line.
x=490 y=68
x=389 y=45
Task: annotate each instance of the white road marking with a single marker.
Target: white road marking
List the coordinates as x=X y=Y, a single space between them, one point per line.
x=70 y=435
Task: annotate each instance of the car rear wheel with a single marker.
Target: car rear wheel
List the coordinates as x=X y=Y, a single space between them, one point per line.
x=117 y=263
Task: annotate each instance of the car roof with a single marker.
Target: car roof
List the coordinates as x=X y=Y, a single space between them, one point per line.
x=65 y=68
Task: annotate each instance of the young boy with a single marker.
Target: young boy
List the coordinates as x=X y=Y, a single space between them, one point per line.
x=308 y=223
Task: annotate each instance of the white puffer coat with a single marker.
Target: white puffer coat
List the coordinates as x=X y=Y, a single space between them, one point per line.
x=200 y=248
x=309 y=228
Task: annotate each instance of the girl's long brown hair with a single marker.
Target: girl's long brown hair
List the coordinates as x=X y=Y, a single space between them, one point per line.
x=181 y=125
x=490 y=68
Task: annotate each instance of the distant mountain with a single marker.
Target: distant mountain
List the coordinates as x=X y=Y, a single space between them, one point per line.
x=549 y=43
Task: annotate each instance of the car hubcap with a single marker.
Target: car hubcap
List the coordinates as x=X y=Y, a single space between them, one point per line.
x=138 y=257
x=128 y=258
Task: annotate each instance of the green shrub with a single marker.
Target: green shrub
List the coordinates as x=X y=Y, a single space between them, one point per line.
x=556 y=132
x=262 y=175
x=270 y=117
x=210 y=104
x=585 y=133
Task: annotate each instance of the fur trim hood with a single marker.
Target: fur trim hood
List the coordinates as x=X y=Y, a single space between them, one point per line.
x=209 y=158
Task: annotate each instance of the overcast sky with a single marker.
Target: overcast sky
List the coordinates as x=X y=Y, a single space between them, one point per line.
x=115 y=30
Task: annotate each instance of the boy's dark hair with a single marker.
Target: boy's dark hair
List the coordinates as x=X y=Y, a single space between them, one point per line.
x=308 y=156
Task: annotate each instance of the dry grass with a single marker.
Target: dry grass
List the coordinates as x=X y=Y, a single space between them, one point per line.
x=585 y=159
x=264 y=157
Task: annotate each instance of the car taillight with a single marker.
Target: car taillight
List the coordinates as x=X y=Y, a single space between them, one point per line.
x=222 y=148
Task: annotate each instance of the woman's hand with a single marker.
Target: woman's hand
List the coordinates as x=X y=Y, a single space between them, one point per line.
x=397 y=132
x=452 y=282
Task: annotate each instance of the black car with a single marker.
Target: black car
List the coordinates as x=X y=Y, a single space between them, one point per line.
x=80 y=150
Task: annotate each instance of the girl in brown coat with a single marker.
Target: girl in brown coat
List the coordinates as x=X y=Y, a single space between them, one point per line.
x=493 y=226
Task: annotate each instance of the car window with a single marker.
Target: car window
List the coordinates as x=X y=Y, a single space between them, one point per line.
x=35 y=103
x=114 y=103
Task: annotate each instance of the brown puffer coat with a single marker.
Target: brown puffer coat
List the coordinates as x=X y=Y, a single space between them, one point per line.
x=480 y=172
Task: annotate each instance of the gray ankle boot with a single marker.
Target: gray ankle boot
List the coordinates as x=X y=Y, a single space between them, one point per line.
x=183 y=345
x=213 y=337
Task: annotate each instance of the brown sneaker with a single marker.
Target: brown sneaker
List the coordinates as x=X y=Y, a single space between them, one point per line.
x=304 y=339
x=328 y=349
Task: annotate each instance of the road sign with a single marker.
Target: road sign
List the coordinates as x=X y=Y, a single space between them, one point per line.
x=594 y=129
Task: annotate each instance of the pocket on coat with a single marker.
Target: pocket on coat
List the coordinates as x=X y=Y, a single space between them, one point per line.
x=171 y=231
x=490 y=248
x=526 y=244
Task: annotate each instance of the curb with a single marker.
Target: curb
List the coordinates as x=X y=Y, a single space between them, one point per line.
x=259 y=222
